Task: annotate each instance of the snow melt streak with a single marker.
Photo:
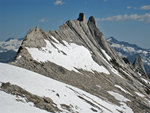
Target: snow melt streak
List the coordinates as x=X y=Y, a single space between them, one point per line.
x=122 y=89
x=70 y=56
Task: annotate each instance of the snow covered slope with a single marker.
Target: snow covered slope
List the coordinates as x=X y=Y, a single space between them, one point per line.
x=63 y=95
x=77 y=57
x=130 y=51
x=9 y=104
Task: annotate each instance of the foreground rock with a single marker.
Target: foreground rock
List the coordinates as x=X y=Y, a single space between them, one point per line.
x=44 y=103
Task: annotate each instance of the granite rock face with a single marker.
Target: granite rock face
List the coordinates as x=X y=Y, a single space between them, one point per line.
x=98 y=75
x=139 y=66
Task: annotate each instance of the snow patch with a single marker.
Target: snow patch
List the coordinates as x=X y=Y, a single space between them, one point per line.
x=106 y=55
x=122 y=100
x=139 y=51
x=19 y=57
x=145 y=52
x=131 y=49
x=55 y=39
x=9 y=104
x=148 y=101
x=121 y=55
x=116 y=72
x=0 y=83
x=98 y=86
x=140 y=94
x=123 y=47
x=116 y=45
x=118 y=96
x=71 y=56
x=148 y=82
x=126 y=73
x=122 y=89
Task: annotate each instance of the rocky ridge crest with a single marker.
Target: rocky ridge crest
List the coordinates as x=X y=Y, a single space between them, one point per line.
x=139 y=66
x=87 y=35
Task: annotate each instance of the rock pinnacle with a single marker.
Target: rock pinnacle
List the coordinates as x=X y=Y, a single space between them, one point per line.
x=81 y=17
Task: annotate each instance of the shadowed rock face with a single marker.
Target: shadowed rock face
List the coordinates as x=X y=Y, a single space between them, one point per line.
x=81 y=17
x=85 y=35
x=99 y=38
x=92 y=20
x=139 y=66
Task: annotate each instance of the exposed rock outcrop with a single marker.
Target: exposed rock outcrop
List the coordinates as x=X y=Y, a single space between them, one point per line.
x=139 y=66
x=44 y=103
x=82 y=17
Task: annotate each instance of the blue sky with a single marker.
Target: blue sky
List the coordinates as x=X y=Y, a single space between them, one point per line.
x=127 y=20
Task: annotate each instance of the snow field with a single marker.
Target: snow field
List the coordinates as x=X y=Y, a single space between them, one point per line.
x=122 y=89
x=70 y=56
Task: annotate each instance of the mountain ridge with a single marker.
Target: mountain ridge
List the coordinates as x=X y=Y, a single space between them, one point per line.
x=9 y=48
x=78 y=54
x=125 y=42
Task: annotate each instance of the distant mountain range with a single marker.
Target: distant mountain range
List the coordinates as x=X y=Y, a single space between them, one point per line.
x=125 y=49
x=9 y=48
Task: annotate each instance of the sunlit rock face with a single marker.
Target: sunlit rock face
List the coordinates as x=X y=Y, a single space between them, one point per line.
x=78 y=55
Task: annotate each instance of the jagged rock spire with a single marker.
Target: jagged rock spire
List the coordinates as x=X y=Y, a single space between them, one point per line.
x=92 y=20
x=81 y=17
x=139 y=66
x=98 y=35
x=37 y=28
